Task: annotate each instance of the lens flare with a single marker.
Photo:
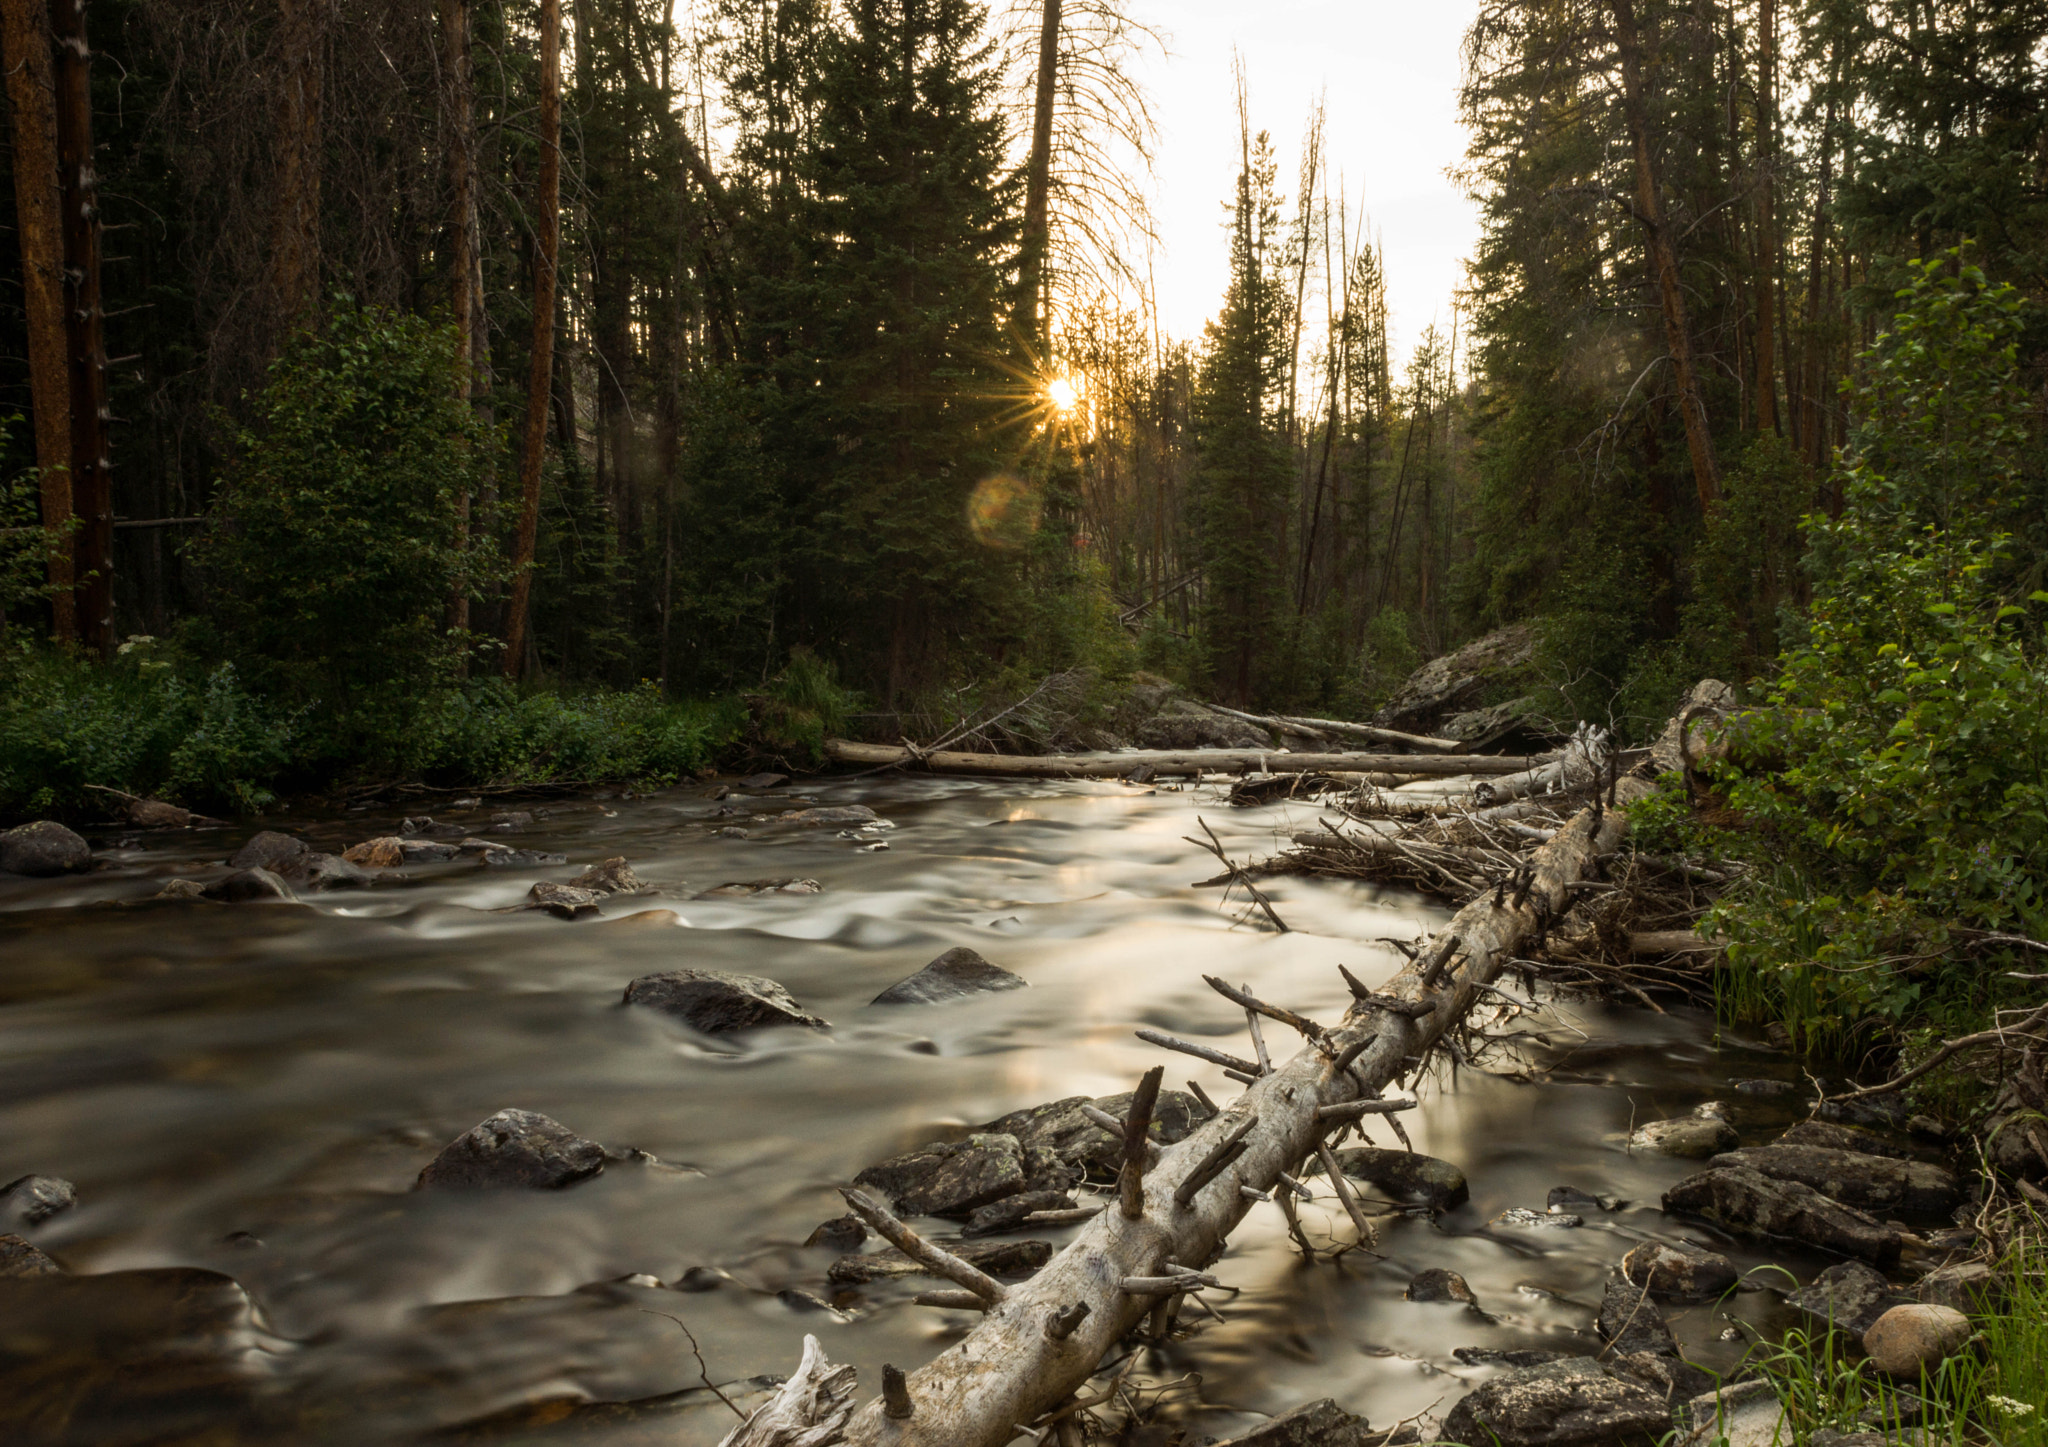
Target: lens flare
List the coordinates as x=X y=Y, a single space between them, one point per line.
x=1002 y=512
x=1062 y=393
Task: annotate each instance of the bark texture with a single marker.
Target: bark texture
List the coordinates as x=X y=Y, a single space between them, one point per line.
x=1191 y=761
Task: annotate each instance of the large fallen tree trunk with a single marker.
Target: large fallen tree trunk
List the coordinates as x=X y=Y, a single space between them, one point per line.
x=1422 y=742
x=1042 y=1339
x=1169 y=762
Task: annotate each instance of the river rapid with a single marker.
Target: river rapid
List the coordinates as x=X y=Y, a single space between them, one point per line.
x=251 y=1089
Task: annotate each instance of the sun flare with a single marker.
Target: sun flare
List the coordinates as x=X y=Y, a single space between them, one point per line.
x=1062 y=393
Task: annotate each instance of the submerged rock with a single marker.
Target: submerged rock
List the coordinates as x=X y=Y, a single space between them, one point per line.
x=957 y=972
x=1406 y=1177
x=1694 y=1137
x=613 y=876
x=1630 y=1322
x=997 y=1258
x=1570 y=1403
x=563 y=901
x=1849 y=1297
x=18 y=1258
x=515 y=1148
x=1317 y=1424
x=1438 y=1284
x=1059 y=1127
x=32 y=1200
x=1838 y=1137
x=1867 y=1182
x=1916 y=1337
x=245 y=885
x=1750 y=1203
x=783 y=884
x=269 y=850
x=719 y=1003
x=1553 y=1219
x=1679 y=1272
x=181 y=889
x=837 y=816
x=43 y=849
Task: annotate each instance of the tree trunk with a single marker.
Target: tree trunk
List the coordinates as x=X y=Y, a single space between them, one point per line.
x=1038 y=183
x=1663 y=256
x=465 y=262
x=92 y=497
x=1169 y=761
x=295 y=233
x=1767 y=219
x=547 y=223
x=38 y=206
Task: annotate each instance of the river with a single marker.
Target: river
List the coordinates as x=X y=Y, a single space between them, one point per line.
x=251 y=1089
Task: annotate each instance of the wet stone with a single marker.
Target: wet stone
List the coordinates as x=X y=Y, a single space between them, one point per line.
x=247 y=885
x=1008 y=1214
x=316 y=871
x=1664 y=1373
x=18 y=1258
x=1438 y=1284
x=1849 y=1296
x=841 y=1233
x=956 y=973
x=181 y=889
x=951 y=1178
x=762 y=781
x=731 y=831
x=1570 y=1403
x=835 y=816
x=425 y=828
x=1316 y=1424
x=515 y=1148
x=1509 y=1356
x=1071 y=1138
x=997 y=1258
x=699 y=1279
x=1403 y=1176
x=1835 y=1136
x=1750 y=1203
x=1630 y=1322
x=1693 y=1137
x=32 y=1200
x=269 y=850
x=1551 y=1220
x=43 y=849
x=1867 y=1182
x=1573 y=1200
x=384 y=852
x=719 y=1003
x=782 y=884
x=1878 y=1112
x=613 y=876
x=1677 y=1272
x=563 y=901
x=500 y=857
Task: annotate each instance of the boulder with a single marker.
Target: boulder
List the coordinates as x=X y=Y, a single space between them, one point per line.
x=1630 y=1322
x=1437 y=1284
x=1008 y=1214
x=1461 y=681
x=1181 y=724
x=1750 y=1203
x=997 y=1258
x=958 y=1178
x=1406 y=1177
x=269 y=850
x=1665 y=1373
x=32 y=1200
x=181 y=889
x=384 y=852
x=1850 y=1297
x=1074 y=1140
x=316 y=871
x=1569 y=1403
x=1839 y=1137
x=42 y=849
x=1970 y=1287
x=245 y=885
x=613 y=876
x=841 y=1233
x=837 y=816
x=1680 y=1273
x=1916 y=1337
x=18 y=1258
x=1519 y=722
x=1693 y=1137
x=719 y=1003
x=156 y=814
x=957 y=972
x=1318 y=1424
x=563 y=901
x=1867 y=1182
x=514 y=1148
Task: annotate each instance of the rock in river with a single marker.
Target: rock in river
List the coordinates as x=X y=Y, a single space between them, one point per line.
x=613 y=876
x=1750 y=1203
x=43 y=848
x=1839 y=1137
x=838 y=816
x=1682 y=1273
x=1008 y=1214
x=563 y=901
x=1630 y=1322
x=957 y=972
x=958 y=1178
x=997 y=1258
x=32 y=1200
x=719 y=1003
x=514 y=1148
x=1318 y=1424
x=1867 y=1182
x=18 y=1258
x=1849 y=1297
x=269 y=850
x=1572 y=1403
x=1406 y=1177
x=1059 y=1127
x=1438 y=1284
x=1695 y=1137
x=1909 y=1339
x=316 y=871
x=248 y=884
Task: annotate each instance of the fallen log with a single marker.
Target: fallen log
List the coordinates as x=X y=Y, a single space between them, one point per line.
x=1166 y=761
x=1046 y=1336
x=1422 y=743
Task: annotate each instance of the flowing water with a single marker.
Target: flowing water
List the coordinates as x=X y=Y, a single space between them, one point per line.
x=250 y=1090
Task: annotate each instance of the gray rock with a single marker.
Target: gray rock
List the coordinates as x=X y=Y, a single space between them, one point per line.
x=1571 y=1403
x=425 y=828
x=1740 y=1414
x=1879 y=1112
x=1008 y=1214
x=1838 y=1137
x=719 y=1003
x=1766 y=1087
x=1059 y=1127
x=1867 y=1182
x=1970 y=1287
x=1461 y=681
x=1850 y=1297
x=957 y=972
x=269 y=850
x=316 y=871
x=1181 y=724
x=500 y=857
x=731 y=831
x=1437 y=1284
x=1916 y=1337
x=32 y=1200
x=1318 y=1424
x=18 y=1258
x=837 y=816
x=997 y=1258
x=1509 y=1356
x=613 y=876
x=1664 y=1373
x=782 y=884
x=1679 y=1273
x=1750 y=1203
x=521 y=1148
x=762 y=781
x=1406 y=1177
x=427 y=851
x=1572 y=1199
x=841 y=1233
x=951 y=1179
x=1554 y=1219
x=1693 y=1137
x=43 y=848
x=1630 y=1322
x=245 y=885
x=563 y=901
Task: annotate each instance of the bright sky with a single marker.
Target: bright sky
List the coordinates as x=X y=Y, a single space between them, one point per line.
x=1389 y=72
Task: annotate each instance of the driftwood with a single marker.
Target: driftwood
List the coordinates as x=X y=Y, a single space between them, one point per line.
x=810 y=1410
x=1046 y=1336
x=1166 y=761
x=1421 y=743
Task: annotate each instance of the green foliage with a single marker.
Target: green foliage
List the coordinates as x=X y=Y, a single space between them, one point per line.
x=1388 y=656
x=798 y=710
x=337 y=547
x=489 y=732
x=1749 y=582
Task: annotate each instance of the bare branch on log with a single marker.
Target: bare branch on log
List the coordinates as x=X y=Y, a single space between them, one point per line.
x=923 y=1252
x=1200 y=1052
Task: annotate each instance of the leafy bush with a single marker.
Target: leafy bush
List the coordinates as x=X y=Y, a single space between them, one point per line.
x=489 y=732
